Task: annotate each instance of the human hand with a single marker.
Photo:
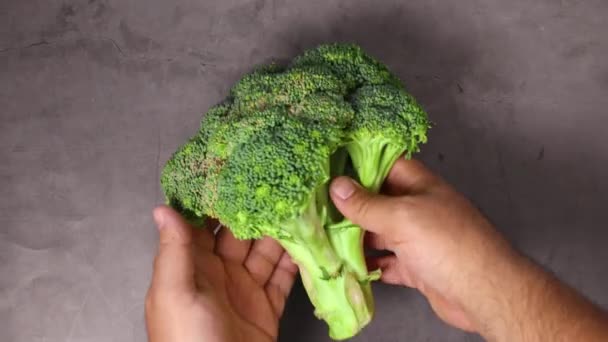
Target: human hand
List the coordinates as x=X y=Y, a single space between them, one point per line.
x=442 y=245
x=215 y=288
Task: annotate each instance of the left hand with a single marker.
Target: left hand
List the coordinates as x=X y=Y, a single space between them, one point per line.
x=215 y=288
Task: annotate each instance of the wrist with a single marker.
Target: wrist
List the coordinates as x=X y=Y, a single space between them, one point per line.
x=519 y=301
x=502 y=297
x=495 y=277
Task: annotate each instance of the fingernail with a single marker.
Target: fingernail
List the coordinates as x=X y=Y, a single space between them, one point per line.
x=159 y=218
x=343 y=187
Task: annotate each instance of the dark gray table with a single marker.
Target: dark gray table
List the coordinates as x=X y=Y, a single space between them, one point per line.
x=96 y=94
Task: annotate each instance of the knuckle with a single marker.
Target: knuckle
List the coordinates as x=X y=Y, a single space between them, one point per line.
x=257 y=257
x=362 y=207
x=403 y=204
x=400 y=211
x=402 y=207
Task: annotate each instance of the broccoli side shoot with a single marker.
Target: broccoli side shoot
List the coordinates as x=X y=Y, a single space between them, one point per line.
x=388 y=124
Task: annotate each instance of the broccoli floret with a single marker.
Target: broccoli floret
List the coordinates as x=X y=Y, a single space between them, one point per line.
x=279 y=167
x=388 y=124
x=350 y=62
x=262 y=89
x=238 y=128
x=262 y=161
x=188 y=178
x=329 y=109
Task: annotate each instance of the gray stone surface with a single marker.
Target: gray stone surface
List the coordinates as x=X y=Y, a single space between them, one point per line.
x=96 y=94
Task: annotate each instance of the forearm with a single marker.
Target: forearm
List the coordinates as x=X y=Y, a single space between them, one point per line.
x=518 y=301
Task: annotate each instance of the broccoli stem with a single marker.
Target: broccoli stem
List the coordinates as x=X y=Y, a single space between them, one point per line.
x=347 y=241
x=337 y=165
x=348 y=245
x=373 y=159
x=338 y=296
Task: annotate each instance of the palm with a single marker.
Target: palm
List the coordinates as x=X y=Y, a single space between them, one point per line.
x=248 y=282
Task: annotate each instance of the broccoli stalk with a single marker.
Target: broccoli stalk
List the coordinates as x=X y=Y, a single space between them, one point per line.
x=347 y=241
x=338 y=296
x=331 y=260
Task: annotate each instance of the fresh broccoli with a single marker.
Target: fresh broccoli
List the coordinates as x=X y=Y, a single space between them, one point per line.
x=262 y=161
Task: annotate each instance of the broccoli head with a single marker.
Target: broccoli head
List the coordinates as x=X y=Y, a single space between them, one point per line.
x=262 y=161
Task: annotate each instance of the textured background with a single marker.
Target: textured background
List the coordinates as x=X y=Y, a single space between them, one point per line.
x=96 y=94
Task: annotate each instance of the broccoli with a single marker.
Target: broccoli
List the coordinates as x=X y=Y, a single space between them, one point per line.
x=262 y=161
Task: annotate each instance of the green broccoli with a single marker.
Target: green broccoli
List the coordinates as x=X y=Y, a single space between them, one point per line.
x=262 y=161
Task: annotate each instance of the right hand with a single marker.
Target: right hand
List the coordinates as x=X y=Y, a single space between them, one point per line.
x=442 y=245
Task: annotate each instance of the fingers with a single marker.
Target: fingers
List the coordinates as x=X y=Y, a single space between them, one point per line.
x=230 y=248
x=206 y=267
x=408 y=176
x=173 y=267
x=388 y=265
x=203 y=239
x=280 y=283
x=392 y=272
x=284 y=274
x=373 y=212
x=263 y=258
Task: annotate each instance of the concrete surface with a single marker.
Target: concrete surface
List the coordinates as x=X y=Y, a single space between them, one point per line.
x=96 y=94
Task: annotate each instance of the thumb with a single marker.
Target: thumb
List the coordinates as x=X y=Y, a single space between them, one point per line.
x=373 y=212
x=174 y=266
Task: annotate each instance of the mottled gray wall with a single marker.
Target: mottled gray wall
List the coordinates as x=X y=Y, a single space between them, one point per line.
x=96 y=94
